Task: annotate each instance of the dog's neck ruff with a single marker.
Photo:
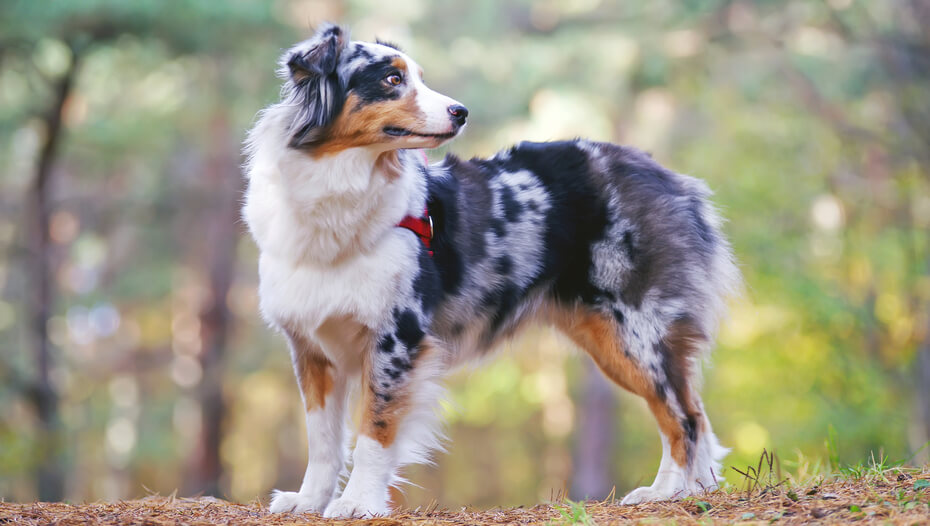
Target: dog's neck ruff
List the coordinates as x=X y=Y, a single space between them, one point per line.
x=421 y=226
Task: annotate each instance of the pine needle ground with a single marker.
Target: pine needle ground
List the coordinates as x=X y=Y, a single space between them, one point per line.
x=866 y=496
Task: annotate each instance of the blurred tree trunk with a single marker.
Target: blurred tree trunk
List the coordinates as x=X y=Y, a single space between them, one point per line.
x=595 y=435
x=225 y=184
x=44 y=393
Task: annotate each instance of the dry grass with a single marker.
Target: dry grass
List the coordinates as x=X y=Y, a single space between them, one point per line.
x=886 y=496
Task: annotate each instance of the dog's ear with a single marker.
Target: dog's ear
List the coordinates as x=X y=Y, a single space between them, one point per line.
x=314 y=86
x=318 y=56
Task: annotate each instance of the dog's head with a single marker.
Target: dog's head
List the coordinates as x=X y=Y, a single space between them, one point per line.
x=362 y=94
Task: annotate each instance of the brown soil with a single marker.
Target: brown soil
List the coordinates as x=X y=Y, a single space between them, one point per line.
x=890 y=498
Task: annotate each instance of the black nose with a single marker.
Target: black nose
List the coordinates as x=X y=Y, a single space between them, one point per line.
x=458 y=113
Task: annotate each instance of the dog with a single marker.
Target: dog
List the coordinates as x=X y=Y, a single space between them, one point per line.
x=384 y=272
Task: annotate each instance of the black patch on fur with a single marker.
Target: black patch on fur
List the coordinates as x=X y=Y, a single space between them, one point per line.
x=380 y=423
x=628 y=245
x=427 y=287
x=442 y=209
x=392 y=373
x=503 y=265
x=366 y=82
x=360 y=51
x=409 y=331
x=689 y=424
x=618 y=315
x=673 y=375
x=456 y=203
x=497 y=226
x=576 y=220
x=660 y=390
x=386 y=344
x=401 y=364
x=512 y=207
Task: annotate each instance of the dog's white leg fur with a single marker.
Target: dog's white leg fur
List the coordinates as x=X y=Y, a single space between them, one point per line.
x=325 y=456
x=674 y=482
x=366 y=493
x=709 y=454
x=376 y=466
x=669 y=482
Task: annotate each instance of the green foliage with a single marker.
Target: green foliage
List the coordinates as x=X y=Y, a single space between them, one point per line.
x=574 y=513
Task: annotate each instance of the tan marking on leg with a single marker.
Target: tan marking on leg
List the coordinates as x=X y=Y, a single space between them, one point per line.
x=313 y=370
x=316 y=380
x=599 y=336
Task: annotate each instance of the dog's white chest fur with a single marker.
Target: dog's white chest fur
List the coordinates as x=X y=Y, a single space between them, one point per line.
x=325 y=231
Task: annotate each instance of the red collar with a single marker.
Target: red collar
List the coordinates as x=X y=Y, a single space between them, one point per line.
x=421 y=226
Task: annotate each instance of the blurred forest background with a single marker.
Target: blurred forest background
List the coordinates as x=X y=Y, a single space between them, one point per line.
x=132 y=356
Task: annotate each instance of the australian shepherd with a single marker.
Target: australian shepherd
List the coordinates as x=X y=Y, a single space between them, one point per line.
x=385 y=272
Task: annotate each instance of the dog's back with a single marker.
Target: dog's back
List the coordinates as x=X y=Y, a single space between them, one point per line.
x=543 y=227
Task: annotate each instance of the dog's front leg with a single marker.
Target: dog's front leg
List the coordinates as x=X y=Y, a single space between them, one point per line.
x=398 y=421
x=323 y=390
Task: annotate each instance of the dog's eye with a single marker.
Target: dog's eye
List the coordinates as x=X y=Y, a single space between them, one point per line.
x=394 y=79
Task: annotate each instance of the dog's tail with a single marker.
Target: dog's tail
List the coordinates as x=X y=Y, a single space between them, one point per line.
x=723 y=279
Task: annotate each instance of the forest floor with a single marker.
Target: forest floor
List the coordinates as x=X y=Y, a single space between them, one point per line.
x=869 y=496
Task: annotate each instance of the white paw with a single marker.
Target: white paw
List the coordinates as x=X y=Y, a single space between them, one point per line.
x=345 y=508
x=652 y=494
x=290 y=501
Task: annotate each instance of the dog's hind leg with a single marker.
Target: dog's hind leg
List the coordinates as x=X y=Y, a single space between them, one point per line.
x=664 y=376
x=398 y=426
x=323 y=390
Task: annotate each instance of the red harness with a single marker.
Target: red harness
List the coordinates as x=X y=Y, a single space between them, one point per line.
x=421 y=226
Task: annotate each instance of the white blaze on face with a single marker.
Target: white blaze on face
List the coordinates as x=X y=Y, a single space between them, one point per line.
x=434 y=106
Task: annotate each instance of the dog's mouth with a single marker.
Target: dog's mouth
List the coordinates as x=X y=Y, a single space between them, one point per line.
x=394 y=131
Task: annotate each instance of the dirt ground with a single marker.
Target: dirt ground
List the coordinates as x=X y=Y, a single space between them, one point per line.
x=897 y=497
